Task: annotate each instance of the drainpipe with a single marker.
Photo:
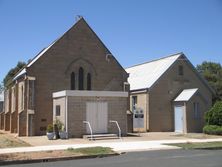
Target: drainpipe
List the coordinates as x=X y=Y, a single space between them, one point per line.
x=185 y=119
x=66 y=113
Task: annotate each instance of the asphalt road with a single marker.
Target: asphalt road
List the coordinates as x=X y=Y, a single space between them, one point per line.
x=167 y=158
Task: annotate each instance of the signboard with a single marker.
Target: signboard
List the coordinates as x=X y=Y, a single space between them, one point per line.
x=138 y=118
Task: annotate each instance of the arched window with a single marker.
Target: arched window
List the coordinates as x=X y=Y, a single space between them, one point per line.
x=81 y=78
x=73 y=84
x=89 y=81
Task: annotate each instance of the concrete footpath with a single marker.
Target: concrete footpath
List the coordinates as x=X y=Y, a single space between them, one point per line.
x=119 y=146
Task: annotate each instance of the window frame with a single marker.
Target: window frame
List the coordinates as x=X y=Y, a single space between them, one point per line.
x=89 y=81
x=57 y=110
x=196 y=110
x=134 y=102
x=81 y=78
x=73 y=81
x=180 y=70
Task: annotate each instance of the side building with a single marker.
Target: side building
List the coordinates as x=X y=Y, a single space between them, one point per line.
x=170 y=94
x=74 y=79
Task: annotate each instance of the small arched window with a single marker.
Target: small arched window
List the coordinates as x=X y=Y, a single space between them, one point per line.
x=81 y=78
x=89 y=81
x=73 y=83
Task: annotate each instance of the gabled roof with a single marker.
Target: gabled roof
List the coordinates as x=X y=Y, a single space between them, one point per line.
x=186 y=94
x=144 y=75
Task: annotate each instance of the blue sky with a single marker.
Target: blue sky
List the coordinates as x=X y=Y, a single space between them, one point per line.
x=135 y=31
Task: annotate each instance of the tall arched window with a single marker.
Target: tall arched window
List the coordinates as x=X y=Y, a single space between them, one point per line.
x=73 y=84
x=81 y=78
x=89 y=81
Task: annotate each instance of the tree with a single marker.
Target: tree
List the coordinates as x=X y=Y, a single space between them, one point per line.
x=214 y=115
x=8 y=78
x=212 y=72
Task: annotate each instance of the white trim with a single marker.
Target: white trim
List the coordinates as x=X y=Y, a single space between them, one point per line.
x=89 y=93
x=31 y=112
x=139 y=91
x=66 y=116
x=31 y=78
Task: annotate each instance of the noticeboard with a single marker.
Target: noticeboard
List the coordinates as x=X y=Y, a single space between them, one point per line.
x=138 y=118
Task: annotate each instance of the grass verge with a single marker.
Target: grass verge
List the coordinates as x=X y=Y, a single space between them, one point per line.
x=91 y=150
x=57 y=154
x=204 y=145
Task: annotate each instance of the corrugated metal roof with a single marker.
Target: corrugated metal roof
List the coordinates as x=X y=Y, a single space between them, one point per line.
x=145 y=75
x=186 y=94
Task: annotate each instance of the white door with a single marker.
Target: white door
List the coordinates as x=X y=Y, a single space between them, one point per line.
x=178 y=118
x=97 y=116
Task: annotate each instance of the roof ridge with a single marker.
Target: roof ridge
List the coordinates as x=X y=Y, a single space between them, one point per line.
x=179 y=53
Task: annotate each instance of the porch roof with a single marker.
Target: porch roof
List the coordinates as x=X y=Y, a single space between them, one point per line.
x=186 y=94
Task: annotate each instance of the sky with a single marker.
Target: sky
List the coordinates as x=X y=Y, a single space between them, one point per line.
x=135 y=31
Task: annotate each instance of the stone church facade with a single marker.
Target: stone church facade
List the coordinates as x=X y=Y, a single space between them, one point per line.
x=76 y=62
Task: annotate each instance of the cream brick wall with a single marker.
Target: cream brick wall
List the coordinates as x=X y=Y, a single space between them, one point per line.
x=13 y=99
x=143 y=103
x=21 y=98
x=62 y=103
x=117 y=108
x=196 y=124
x=79 y=47
x=166 y=89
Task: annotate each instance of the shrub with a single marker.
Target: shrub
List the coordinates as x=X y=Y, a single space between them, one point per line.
x=214 y=115
x=59 y=124
x=212 y=130
x=50 y=128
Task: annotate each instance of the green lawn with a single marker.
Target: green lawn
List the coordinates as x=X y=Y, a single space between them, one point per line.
x=92 y=150
x=206 y=145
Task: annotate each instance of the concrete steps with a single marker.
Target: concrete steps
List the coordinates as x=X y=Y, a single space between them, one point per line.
x=101 y=136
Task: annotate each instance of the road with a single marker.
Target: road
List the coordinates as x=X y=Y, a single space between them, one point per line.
x=166 y=158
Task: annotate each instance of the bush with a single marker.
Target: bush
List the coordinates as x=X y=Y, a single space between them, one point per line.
x=212 y=130
x=59 y=124
x=49 y=128
x=214 y=115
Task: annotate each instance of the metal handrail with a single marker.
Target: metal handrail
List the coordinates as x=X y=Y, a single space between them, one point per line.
x=117 y=124
x=90 y=128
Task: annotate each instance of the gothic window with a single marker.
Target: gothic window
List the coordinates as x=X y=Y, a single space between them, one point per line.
x=81 y=78
x=180 y=70
x=73 y=85
x=89 y=81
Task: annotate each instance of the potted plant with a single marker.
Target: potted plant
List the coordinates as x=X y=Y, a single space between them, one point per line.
x=50 y=134
x=62 y=132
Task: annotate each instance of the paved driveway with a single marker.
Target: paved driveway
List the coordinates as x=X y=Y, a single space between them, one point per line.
x=170 y=158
